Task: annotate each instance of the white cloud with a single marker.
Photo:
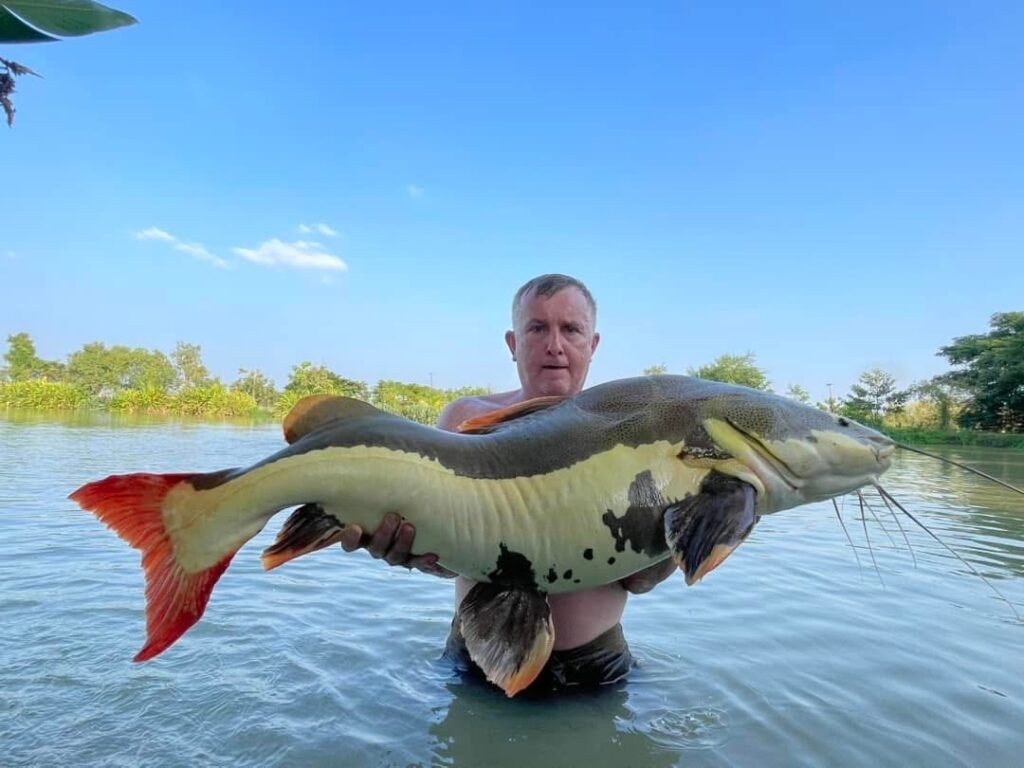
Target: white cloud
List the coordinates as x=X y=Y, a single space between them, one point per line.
x=192 y=249
x=154 y=233
x=320 y=229
x=195 y=249
x=302 y=254
x=10 y=255
x=414 y=192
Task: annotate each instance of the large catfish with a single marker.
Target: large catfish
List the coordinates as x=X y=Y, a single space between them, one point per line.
x=552 y=495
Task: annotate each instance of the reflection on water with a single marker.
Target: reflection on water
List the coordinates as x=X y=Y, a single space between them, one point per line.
x=481 y=728
x=790 y=654
x=952 y=485
x=90 y=418
x=606 y=727
x=987 y=519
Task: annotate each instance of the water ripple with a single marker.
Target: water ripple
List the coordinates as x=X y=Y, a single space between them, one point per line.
x=790 y=653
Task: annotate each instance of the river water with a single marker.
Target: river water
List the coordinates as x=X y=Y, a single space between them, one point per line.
x=798 y=651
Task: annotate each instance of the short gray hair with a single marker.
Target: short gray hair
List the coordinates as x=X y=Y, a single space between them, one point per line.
x=547 y=286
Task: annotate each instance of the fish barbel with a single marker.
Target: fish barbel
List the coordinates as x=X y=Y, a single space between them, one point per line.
x=547 y=496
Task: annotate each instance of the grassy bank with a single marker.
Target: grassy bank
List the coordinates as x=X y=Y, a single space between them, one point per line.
x=924 y=436
x=214 y=401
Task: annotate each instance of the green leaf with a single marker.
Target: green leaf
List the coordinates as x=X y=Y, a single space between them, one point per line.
x=14 y=30
x=50 y=19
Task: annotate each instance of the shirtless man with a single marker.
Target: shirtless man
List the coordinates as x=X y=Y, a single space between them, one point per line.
x=552 y=342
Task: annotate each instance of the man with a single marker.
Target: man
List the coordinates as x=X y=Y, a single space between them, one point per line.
x=552 y=342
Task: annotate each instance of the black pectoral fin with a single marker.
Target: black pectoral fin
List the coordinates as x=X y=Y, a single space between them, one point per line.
x=508 y=634
x=308 y=529
x=703 y=530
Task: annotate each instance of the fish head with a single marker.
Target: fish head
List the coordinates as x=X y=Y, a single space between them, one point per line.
x=791 y=453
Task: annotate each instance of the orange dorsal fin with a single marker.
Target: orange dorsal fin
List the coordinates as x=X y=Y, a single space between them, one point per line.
x=314 y=411
x=487 y=421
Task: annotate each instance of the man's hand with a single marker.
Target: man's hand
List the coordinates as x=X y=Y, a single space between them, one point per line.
x=649 y=578
x=392 y=543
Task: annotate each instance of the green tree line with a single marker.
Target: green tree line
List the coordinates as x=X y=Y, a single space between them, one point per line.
x=983 y=395
x=136 y=380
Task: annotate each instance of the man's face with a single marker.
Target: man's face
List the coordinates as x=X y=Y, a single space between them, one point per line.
x=553 y=342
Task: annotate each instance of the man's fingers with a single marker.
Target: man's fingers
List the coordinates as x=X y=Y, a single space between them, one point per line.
x=380 y=541
x=351 y=538
x=392 y=542
x=428 y=564
x=401 y=548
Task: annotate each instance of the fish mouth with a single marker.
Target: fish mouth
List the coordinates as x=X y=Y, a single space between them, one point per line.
x=884 y=454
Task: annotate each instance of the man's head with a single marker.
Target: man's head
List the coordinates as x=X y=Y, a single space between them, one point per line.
x=553 y=337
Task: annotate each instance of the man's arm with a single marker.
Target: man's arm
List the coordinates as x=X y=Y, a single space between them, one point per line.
x=457 y=411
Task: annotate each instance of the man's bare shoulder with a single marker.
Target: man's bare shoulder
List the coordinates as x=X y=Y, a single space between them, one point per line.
x=464 y=408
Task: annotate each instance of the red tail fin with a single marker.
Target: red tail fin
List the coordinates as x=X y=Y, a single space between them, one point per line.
x=132 y=506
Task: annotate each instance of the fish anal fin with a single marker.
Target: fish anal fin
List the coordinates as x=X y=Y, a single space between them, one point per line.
x=308 y=529
x=314 y=411
x=491 y=419
x=704 y=529
x=508 y=634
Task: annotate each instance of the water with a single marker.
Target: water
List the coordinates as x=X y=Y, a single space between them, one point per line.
x=789 y=654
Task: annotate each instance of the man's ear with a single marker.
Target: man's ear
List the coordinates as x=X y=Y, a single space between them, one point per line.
x=594 y=342
x=510 y=339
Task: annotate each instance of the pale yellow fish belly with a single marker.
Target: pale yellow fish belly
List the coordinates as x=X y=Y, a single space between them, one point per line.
x=550 y=519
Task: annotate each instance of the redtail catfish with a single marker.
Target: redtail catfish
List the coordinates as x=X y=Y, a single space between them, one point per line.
x=548 y=496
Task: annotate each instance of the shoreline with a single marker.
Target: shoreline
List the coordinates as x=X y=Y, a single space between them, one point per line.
x=263 y=417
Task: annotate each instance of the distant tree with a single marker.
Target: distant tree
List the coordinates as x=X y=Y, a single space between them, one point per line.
x=656 y=370
x=20 y=357
x=992 y=372
x=91 y=368
x=33 y=21
x=24 y=364
x=798 y=393
x=258 y=386
x=413 y=401
x=734 y=369
x=398 y=396
x=874 y=397
x=943 y=399
x=150 y=369
x=418 y=401
x=454 y=394
x=101 y=371
x=309 y=379
x=830 y=403
x=188 y=362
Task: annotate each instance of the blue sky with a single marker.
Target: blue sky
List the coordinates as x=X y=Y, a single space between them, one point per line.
x=363 y=188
